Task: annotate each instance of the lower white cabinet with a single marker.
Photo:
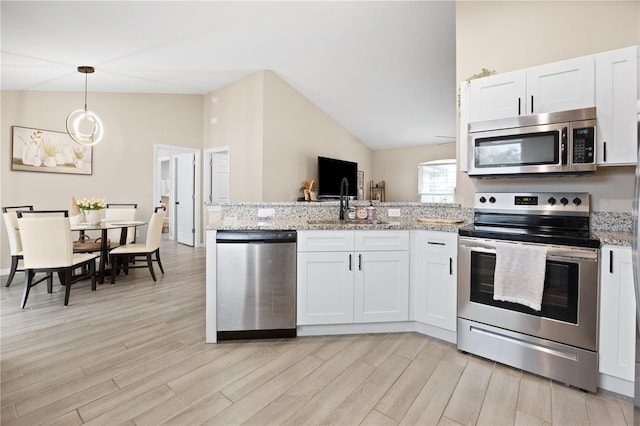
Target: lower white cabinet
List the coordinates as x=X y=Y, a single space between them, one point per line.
x=434 y=278
x=353 y=276
x=617 y=313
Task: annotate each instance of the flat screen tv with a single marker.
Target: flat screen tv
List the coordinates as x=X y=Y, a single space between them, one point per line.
x=330 y=174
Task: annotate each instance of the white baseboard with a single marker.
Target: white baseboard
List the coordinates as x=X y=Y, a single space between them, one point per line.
x=614 y=384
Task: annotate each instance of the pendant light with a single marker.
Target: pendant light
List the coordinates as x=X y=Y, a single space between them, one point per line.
x=84 y=126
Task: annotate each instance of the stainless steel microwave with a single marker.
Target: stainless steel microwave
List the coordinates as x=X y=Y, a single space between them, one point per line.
x=559 y=142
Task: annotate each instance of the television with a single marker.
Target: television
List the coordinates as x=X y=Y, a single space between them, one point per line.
x=330 y=174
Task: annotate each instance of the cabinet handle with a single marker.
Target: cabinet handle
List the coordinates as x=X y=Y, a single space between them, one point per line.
x=611 y=261
x=451 y=266
x=519 y=102
x=349 y=262
x=360 y=262
x=531 y=104
x=604 y=152
x=435 y=243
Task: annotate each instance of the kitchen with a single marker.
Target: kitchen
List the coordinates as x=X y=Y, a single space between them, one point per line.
x=608 y=188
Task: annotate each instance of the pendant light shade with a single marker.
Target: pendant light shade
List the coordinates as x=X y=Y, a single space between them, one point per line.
x=84 y=126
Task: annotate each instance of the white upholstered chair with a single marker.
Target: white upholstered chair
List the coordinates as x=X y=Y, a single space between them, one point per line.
x=121 y=256
x=121 y=212
x=47 y=246
x=13 y=234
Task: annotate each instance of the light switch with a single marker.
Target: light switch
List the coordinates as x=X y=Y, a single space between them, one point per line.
x=393 y=213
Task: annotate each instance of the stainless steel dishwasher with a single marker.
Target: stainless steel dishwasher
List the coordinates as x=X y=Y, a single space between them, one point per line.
x=256 y=284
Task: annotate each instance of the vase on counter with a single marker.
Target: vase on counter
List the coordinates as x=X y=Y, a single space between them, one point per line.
x=92 y=216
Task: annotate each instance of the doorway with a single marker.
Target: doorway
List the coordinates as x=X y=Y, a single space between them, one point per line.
x=177 y=185
x=216 y=179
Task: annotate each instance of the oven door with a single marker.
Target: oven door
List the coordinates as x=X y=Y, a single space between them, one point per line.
x=569 y=311
x=522 y=150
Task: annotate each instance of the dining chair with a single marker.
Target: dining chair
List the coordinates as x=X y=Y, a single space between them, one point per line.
x=121 y=212
x=15 y=245
x=121 y=256
x=47 y=246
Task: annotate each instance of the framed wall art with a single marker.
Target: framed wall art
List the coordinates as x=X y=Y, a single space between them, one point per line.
x=36 y=150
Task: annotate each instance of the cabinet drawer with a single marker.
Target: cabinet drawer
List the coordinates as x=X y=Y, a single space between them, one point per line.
x=436 y=241
x=381 y=240
x=325 y=241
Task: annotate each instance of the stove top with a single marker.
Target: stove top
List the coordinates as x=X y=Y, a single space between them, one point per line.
x=543 y=218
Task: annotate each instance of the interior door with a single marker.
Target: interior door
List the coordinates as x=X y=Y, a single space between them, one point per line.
x=185 y=198
x=219 y=176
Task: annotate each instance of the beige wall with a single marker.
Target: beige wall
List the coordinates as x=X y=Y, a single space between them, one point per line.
x=499 y=35
x=239 y=112
x=122 y=163
x=274 y=136
x=398 y=168
x=296 y=132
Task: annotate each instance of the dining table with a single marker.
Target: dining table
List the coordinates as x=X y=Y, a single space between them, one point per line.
x=103 y=227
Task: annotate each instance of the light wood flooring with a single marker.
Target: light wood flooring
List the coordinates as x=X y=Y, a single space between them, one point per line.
x=134 y=354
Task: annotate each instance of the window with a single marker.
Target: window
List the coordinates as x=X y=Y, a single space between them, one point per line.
x=437 y=181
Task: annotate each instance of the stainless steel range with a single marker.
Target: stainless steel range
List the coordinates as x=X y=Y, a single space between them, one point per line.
x=560 y=340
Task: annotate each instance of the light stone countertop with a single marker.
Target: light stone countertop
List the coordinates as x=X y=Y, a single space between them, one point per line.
x=303 y=225
x=613 y=238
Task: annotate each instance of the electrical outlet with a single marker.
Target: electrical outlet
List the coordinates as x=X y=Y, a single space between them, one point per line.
x=266 y=213
x=393 y=213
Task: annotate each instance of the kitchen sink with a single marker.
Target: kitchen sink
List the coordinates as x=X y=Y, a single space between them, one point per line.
x=345 y=222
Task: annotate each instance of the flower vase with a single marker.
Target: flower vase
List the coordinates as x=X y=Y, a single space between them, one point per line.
x=92 y=216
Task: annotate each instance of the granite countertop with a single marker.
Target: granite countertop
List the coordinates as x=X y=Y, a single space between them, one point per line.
x=613 y=238
x=304 y=225
x=606 y=237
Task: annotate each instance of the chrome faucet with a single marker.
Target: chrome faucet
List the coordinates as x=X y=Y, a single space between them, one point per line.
x=344 y=197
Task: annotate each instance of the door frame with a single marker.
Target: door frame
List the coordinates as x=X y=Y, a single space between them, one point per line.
x=161 y=151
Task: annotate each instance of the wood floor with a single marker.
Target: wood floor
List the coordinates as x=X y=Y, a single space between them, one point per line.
x=134 y=354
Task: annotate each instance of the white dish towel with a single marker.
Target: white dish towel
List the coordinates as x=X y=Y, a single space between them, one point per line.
x=519 y=274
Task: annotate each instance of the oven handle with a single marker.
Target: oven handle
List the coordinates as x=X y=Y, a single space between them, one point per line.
x=553 y=252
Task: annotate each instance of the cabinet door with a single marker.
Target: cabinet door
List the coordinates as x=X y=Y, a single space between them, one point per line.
x=616 y=91
x=381 y=286
x=617 y=313
x=561 y=86
x=325 y=287
x=434 y=278
x=497 y=96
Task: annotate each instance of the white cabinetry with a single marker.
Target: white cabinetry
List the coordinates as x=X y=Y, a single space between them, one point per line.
x=616 y=97
x=353 y=276
x=617 y=318
x=434 y=278
x=553 y=87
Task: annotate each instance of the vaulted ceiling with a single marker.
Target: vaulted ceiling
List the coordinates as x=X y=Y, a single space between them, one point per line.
x=384 y=70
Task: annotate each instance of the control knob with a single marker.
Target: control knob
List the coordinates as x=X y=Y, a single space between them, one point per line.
x=551 y=201
x=577 y=201
x=492 y=199
x=482 y=200
x=564 y=201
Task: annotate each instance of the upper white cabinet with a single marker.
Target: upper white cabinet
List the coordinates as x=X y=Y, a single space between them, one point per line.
x=616 y=97
x=558 y=86
x=617 y=315
x=497 y=96
x=434 y=278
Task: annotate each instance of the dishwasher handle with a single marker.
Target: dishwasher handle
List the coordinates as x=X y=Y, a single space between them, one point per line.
x=262 y=236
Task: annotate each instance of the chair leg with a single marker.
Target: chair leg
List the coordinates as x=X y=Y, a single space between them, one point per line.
x=14 y=268
x=92 y=271
x=114 y=266
x=50 y=282
x=28 y=276
x=158 y=259
x=150 y=263
x=67 y=290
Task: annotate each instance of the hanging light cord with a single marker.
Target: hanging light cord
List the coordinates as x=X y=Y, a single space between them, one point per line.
x=85 y=91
